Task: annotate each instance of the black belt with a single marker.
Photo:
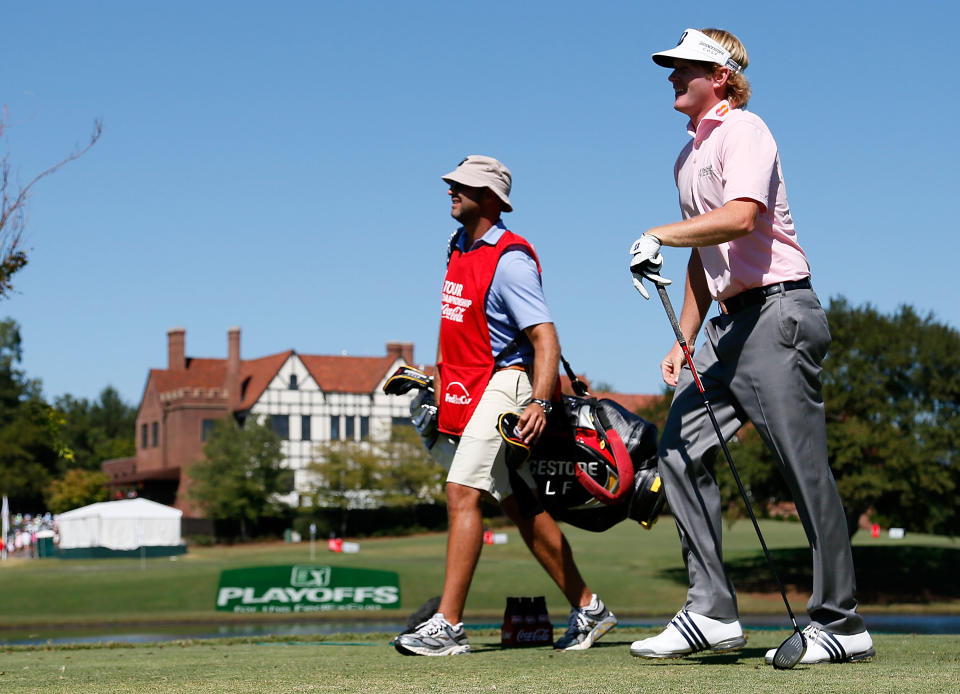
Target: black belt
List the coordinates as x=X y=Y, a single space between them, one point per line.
x=758 y=295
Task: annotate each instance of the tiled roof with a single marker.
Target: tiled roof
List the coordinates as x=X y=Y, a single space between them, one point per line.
x=333 y=374
x=347 y=374
x=256 y=374
x=200 y=373
x=337 y=374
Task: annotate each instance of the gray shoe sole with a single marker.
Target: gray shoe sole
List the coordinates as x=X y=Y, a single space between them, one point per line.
x=415 y=650
x=857 y=657
x=854 y=658
x=725 y=646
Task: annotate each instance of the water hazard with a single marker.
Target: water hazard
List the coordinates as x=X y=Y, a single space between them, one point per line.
x=126 y=633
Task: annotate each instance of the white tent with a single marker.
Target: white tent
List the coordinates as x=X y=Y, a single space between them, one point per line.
x=123 y=525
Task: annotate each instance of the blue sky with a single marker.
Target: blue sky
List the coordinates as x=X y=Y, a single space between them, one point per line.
x=276 y=166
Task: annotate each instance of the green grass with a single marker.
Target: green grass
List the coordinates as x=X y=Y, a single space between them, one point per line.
x=637 y=572
x=905 y=664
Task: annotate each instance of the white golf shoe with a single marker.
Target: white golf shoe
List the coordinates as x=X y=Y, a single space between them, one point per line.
x=688 y=633
x=824 y=647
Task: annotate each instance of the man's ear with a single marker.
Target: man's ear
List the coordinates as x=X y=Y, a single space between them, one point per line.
x=721 y=75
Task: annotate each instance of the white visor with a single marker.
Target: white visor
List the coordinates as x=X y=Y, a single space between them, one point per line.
x=695 y=45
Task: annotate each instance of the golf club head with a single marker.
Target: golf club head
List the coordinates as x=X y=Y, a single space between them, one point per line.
x=790 y=651
x=405 y=379
x=517 y=452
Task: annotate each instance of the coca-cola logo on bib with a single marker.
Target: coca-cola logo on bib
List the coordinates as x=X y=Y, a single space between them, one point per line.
x=454 y=305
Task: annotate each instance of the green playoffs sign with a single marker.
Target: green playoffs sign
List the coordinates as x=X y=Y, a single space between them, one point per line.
x=307 y=588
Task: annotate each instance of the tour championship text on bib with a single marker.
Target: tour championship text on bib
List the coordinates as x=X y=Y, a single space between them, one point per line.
x=454 y=305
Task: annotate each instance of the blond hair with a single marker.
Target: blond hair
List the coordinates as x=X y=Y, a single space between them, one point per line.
x=738 y=86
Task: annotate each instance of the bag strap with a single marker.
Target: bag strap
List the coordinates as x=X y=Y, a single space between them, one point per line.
x=621 y=459
x=579 y=387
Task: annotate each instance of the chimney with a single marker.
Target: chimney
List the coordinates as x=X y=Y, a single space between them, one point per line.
x=233 y=367
x=401 y=350
x=176 y=349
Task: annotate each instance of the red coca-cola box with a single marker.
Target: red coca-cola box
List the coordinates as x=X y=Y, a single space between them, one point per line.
x=526 y=622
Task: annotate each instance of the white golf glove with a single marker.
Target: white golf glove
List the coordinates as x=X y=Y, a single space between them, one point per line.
x=646 y=263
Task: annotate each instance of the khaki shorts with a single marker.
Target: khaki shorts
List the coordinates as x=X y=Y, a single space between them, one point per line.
x=479 y=460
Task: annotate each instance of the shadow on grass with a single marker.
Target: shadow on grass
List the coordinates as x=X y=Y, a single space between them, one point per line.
x=885 y=575
x=709 y=658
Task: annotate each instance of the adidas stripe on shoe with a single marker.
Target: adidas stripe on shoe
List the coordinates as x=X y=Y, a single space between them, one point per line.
x=689 y=632
x=825 y=647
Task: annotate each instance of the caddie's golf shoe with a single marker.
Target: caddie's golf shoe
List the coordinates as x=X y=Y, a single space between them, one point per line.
x=688 y=633
x=586 y=625
x=824 y=647
x=436 y=636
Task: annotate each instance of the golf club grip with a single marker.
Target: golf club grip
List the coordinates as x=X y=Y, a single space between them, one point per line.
x=668 y=307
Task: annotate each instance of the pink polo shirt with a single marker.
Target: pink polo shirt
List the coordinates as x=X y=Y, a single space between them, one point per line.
x=733 y=155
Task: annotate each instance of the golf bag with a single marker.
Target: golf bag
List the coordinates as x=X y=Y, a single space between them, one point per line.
x=594 y=466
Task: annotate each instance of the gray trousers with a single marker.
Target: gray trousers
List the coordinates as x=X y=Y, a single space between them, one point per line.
x=761 y=364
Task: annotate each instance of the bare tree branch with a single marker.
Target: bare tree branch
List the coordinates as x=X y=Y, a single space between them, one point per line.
x=12 y=218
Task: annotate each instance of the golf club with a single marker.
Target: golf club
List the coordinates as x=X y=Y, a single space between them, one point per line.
x=790 y=651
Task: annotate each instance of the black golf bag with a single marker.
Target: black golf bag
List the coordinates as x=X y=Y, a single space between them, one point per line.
x=596 y=465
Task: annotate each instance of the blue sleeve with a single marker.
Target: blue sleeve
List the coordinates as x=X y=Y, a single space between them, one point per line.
x=515 y=302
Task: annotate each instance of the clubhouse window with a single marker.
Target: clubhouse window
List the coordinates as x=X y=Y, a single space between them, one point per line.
x=280 y=424
x=206 y=426
x=305 y=427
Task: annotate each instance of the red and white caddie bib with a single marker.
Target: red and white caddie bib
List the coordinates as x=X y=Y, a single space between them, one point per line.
x=467 y=361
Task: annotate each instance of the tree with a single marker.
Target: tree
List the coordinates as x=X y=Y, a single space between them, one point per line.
x=99 y=430
x=38 y=442
x=346 y=477
x=359 y=474
x=30 y=445
x=240 y=475
x=409 y=475
x=76 y=488
x=13 y=256
x=892 y=392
